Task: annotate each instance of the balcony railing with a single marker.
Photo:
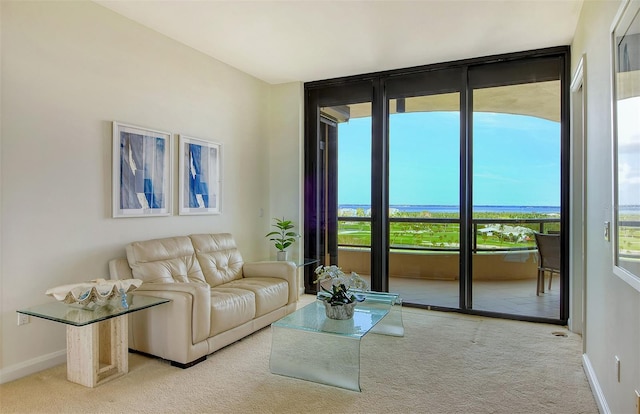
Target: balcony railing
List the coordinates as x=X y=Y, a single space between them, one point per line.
x=442 y=234
x=427 y=247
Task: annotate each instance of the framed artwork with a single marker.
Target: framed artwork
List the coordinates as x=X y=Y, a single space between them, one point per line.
x=625 y=47
x=142 y=171
x=199 y=177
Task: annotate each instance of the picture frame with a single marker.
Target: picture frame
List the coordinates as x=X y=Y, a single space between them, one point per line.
x=142 y=171
x=625 y=53
x=200 y=182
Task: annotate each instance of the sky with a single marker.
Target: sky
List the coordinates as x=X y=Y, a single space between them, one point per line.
x=629 y=151
x=516 y=160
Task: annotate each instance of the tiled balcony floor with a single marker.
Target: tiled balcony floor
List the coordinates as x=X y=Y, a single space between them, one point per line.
x=517 y=297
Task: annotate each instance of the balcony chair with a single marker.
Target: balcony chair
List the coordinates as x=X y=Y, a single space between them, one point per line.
x=549 y=258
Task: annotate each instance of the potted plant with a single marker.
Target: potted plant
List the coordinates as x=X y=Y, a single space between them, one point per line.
x=283 y=237
x=339 y=302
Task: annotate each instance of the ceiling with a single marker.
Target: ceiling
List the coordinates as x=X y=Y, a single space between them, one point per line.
x=306 y=40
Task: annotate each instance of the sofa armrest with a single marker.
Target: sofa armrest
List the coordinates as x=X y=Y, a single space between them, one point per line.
x=282 y=270
x=197 y=305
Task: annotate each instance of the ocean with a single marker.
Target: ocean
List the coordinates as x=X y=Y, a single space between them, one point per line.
x=453 y=209
x=630 y=209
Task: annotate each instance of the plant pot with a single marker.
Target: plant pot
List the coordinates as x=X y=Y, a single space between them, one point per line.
x=339 y=311
x=283 y=256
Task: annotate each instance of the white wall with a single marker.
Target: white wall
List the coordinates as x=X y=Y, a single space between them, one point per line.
x=2 y=287
x=285 y=157
x=68 y=70
x=613 y=306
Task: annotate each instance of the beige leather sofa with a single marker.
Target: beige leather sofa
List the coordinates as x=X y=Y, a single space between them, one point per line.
x=216 y=298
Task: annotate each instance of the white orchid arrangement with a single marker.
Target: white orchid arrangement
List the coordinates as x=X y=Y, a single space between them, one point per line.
x=340 y=284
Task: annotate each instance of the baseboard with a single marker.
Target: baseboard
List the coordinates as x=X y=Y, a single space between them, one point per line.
x=32 y=366
x=603 y=407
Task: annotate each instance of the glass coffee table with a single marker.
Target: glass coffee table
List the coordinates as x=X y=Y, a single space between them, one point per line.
x=308 y=345
x=97 y=339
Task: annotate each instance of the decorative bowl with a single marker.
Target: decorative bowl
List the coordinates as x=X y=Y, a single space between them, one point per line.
x=96 y=292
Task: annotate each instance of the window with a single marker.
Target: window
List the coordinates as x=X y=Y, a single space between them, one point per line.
x=626 y=128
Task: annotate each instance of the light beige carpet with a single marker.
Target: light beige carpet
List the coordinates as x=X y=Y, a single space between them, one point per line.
x=445 y=363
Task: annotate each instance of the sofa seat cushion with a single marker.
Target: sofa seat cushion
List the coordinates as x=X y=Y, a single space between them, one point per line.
x=230 y=307
x=271 y=293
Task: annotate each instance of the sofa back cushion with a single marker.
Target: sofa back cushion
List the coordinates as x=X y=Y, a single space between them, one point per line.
x=167 y=260
x=219 y=258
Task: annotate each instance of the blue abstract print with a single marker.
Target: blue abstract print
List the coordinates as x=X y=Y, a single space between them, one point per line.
x=201 y=175
x=142 y=171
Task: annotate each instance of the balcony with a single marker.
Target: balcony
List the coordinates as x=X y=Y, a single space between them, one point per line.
x=504 y=248
x=424 y=262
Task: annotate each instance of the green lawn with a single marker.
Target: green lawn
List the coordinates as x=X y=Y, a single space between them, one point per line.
x=489 y=236
x=446 y=235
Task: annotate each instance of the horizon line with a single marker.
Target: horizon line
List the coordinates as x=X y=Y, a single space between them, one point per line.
x=454 y=205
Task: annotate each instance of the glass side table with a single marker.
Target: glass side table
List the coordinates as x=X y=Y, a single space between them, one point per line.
x=306 y=262
x=300 y=264
x=97 y=339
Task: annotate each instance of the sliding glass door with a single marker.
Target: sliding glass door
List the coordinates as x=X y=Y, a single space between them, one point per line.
x=348 y=192
x=424 y=187
x=432 y=182
x=338 y=179
x=516 y=181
